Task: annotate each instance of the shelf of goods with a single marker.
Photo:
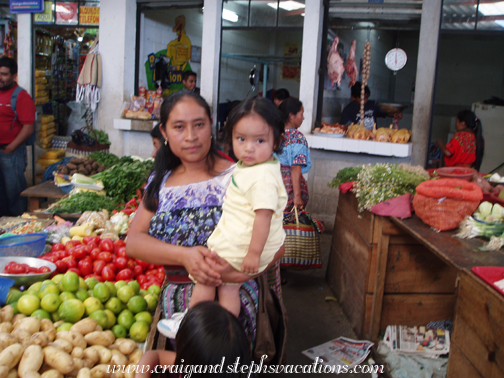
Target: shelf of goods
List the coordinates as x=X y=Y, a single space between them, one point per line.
x=359 y=146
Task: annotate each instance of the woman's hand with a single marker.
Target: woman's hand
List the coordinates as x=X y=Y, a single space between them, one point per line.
x=298 y=202
x=196 y=263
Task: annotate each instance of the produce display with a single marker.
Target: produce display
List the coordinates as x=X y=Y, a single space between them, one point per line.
x=86 y=166
x=327 y=128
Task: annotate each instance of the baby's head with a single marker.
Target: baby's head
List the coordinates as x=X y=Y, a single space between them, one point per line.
x=255 y=128
x=209 y=333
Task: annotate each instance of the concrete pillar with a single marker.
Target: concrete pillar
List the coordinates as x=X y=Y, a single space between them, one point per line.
x=424 y=82
x=25 y=51
x=210 y=53
x=310 y=61
x=117 y=33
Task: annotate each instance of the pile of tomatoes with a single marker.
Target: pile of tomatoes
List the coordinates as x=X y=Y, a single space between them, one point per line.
x=105 y=260
x=13 y=267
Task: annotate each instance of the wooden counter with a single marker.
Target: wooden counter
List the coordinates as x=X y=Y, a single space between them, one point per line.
x=45 y=190
x=388 y=271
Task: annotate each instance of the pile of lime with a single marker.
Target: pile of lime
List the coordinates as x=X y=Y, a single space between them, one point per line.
x=122 y=307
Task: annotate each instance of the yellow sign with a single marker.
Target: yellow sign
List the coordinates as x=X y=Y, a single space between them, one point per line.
x=46 y=17
x=89 y=15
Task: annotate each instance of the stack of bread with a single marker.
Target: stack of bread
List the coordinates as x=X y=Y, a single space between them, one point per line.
x=41 y=95
x=46 y=129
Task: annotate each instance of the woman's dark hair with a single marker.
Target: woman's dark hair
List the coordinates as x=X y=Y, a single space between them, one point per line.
x=266 y=110
x=209 y=333
x=156 y=133
x=165 y=159
x=281 y=94
x=290 y=106
x=472 y=122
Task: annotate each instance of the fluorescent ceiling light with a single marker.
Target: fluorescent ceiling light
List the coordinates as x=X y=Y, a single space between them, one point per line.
x=229 y=15
x=491 y=9
x=287 y=5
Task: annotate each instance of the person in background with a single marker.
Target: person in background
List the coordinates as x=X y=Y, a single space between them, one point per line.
x=157 y=139
x=207 y=335
x=351 y=112
x=295 y=155
x=280 y=95
x=189 y=81
x=466 y=148
x=15 y=129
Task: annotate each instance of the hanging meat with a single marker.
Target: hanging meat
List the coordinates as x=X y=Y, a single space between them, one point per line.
x=350 y=66
x=335 y=67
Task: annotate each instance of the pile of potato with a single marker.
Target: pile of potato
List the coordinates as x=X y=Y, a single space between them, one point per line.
x=84 y=166
x=31 y=348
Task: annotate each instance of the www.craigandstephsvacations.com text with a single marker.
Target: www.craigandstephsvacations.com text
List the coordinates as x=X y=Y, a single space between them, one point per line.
x=236 y=367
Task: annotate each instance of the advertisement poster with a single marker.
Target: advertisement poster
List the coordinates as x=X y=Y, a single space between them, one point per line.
x=26 y=6
x=291 y=69
x=46 y=17
x=89 y=15
x=66 y=13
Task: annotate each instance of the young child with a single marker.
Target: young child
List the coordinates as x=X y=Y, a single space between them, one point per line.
x=250 y=230
x=207 y=334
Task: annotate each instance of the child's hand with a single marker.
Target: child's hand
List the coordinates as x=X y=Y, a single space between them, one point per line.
x=250 y=264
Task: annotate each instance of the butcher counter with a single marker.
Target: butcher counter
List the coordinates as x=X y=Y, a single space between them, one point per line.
x=388 y=271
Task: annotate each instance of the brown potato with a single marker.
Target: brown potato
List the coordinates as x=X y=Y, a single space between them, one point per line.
x=84 y=373
x=125 y=346
x=100 y=371
x=7 y=313
x=30 y=324
x=31 y=361
x=6 y=327
x=39 y=338
x=104 y=338
x=73 y=337
x=62 y=344
x=84 y=326
x=11 y=355
x=51 y=373
x=58 y=359
x=4 y=371
x=7 y=339
x=135 y=356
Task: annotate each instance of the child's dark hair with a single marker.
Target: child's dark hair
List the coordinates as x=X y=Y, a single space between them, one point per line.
x=156 y=133
x=281 y=94
x=355 y=91
x=187 y=74
x=209 y=333
x=474 y=123
x=290 y=106
x=266 y=110
x=165 y=159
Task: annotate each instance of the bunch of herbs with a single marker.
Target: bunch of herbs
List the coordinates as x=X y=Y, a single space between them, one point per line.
x=83 y=201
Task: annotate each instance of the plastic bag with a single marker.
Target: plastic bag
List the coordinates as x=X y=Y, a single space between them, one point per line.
x=77 y=119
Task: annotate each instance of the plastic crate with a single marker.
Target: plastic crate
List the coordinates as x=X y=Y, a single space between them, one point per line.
x=5 y=285
x=28 y=245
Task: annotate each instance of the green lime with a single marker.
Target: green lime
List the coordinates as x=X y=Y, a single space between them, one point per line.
x=90 y=293
x=57 y=278
x=50 y=288
x=92 y=304
x=119 y=284
x=71 y=310
x=100 y=317
x=55 y=316
x=143 y=293
x=66 y=295
x=102 y=292
x=144 y=316
x=64 y=327
x=111 y=318
x=91 y=282
x=28 y=303
x=137 y=304
x=82 y=284
x=70 y=281
x=119 y=331
x=152 y=302
x=126 y=319
x=41 y=314
x=125 y=293
x=50 y=302
x=138 y=331
x=112 y=288
x=135 y=285
x=45 y=282
x=81 y=294
x=14 y=308
x=13 y=296
x=34 y=287
x=154 y=290
x=114 y=305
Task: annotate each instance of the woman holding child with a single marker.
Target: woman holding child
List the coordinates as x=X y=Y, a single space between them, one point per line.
x=181 y=207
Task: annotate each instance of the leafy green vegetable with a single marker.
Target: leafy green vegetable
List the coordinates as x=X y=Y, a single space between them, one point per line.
x=103 y=158
x=102 y=137
x=345 y=175
x=83 y=201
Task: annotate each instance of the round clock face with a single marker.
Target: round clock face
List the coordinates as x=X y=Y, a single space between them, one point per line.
x=395 y=59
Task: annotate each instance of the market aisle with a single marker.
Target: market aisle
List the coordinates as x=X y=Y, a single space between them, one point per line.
x=312 y=319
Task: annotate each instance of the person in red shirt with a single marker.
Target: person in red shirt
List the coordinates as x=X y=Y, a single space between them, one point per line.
x=15 y=129
x=466 y=147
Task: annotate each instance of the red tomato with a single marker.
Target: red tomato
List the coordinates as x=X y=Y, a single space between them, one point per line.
x=61 y=266
x=43 y=269
x=88 y=248
x=57 y=247
x=75 y=270
x=160 y=276
x=131 y=264
x=108 y=272
x=121 y=252
x=96 y=240
x=141 y=278
x=92 y=245
x=79 y=252
x=121 y=262
x=87 y=239
x=160 y=269
x=151 y=266
x=142 y=263
x=98 y=266
x=53 y=259
x=86 y=266
x=107 y=245
x=144 y=286
x=125 y=274
x=94 y=253
x=137 y=270
x=105 y=256
x=119 y=244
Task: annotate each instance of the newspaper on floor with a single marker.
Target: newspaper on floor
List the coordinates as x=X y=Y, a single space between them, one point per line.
x=420 y=341
x=340 y=351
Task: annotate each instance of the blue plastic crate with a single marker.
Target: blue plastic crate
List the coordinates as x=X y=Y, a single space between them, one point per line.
x=28 y=245
x=5 y=285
